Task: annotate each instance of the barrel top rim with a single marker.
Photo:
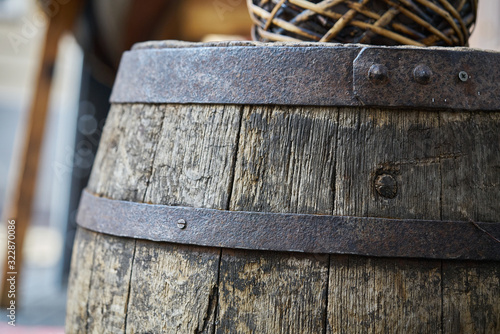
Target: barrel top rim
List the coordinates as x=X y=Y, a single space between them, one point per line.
x=176 y=44
x=309 y=74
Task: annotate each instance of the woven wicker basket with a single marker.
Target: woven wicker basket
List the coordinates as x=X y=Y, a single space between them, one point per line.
x=381 y=22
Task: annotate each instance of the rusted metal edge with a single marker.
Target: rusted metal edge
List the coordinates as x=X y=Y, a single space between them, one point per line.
x=291 y=232
x=337 y=75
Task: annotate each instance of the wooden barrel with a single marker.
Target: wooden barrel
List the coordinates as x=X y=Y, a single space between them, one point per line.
x=293 y=188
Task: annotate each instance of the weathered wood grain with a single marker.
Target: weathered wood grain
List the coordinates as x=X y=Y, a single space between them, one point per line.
x=471 y=180
x=82 y=261
x=398 y=143
x=109 y=284
x=122 y=170
x=194 y=164
x=471 y=191
x=123 y=164
x=377 y=295
x=264 y=292
x=386 y=295
x=284 y=164
x=289 y=159
x=286 y=160
x=174 y=288
x=471 y=295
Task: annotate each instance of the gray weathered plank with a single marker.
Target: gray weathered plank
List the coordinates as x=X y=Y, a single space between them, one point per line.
x=82 y=261
x=285 y=164
x=174 y=288
x=286 y=160
x=471 y=191
x=195 y=160
x=471 y=181
x=399 y=143
x=121 y=171
x=386 y=295
x=268 y=292
x=123 y=163
x=471 y=297
x=379 y=295
x=109 y=284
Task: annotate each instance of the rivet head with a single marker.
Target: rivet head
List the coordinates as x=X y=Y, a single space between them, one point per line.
x=422 y=74
x=386 y=186
x=181 y=223
x=378 y=74
x=463 y=76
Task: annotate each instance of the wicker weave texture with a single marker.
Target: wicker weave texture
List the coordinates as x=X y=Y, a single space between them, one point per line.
x=380 y=22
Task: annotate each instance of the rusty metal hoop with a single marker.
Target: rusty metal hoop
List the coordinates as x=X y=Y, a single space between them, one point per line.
x=316 y=74
x=291 y=232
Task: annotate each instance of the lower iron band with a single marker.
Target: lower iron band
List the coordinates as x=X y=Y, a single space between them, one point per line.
x=369 y=236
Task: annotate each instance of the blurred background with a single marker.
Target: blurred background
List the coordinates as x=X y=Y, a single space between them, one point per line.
x=82 y=77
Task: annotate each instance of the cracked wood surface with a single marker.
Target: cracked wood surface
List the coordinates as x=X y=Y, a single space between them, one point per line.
x=288 y=159
x=285 y=164
x=79 y=281
x=471 y=191
x=121 y=171
x=378 y=295
x=174 y=287
x=130 y=158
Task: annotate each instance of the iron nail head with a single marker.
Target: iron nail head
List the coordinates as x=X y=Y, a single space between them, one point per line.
x=378 y=74
x=422 y=74
x=386 y=186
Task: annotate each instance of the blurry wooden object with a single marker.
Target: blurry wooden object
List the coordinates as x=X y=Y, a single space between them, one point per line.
x=120 y=26
x=221 y=17
x=109 y=28
x=22 y=198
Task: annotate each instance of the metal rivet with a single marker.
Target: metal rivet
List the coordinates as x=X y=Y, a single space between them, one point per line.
x=463 y=76
x=422 y=74
x=378 y=74
x=386 y=186
x=181 y=223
